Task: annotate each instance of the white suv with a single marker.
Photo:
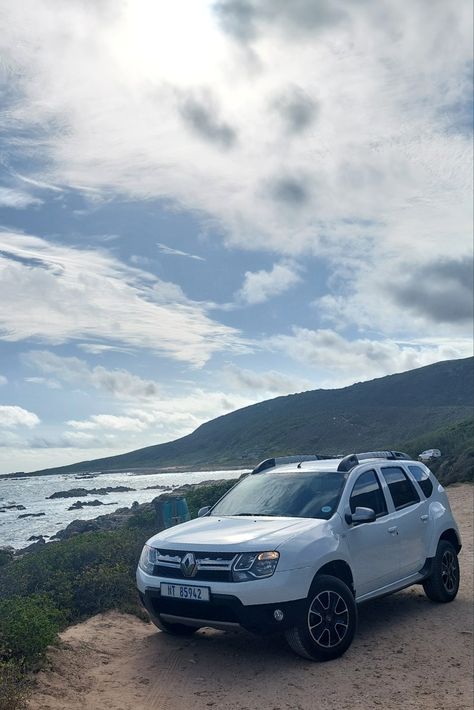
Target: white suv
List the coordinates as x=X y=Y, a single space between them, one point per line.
x=298 y=543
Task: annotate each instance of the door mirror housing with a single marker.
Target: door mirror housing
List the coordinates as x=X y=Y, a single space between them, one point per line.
x=203 y=511
x=360 y=515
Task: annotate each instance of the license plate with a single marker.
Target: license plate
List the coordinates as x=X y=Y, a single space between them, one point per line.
x=185 y=591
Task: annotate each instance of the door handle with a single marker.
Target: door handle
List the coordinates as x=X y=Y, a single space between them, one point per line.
x=424 y=518
x=393 y=530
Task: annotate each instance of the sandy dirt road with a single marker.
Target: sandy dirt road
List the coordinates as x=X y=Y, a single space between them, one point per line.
x=408 y=653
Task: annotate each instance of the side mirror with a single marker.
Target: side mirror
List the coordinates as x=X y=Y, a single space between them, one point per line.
x=203 y=511
x=360 y=515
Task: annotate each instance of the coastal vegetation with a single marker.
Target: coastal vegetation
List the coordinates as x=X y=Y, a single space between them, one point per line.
x=67 y=581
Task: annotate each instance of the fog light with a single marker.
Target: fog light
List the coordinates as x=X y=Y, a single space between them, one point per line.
x=278 y=614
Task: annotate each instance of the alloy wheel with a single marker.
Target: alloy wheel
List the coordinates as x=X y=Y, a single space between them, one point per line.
x=449 y=572
x=328 y=619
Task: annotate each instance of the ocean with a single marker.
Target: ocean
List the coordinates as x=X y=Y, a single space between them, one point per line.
x=32 y=493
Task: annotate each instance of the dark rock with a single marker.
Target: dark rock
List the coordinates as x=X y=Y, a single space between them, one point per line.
x=37 y=538
x=31 y=515
x=122 y=516
x=78 y=492
x=82 y=503
x=33 y=547
x=158 y=488
x=7 y=553
x=3 y=508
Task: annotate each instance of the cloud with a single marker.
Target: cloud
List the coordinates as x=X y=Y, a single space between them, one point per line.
x=237 y=18
x=47 y=382
x=3 y=380
x=290 y=191
x=39 y=183
x=246 y=19
x=297 y=110
x=271 y=381
x=154 y=422
x=260 y=286
x=200 y=115
x=441 y=290
x=43 y=283
x=71 y=370
x=342 y=361
x=16 y=199
x=13 y=416
x=176 y=252
x=385 y=171
x=108 y=421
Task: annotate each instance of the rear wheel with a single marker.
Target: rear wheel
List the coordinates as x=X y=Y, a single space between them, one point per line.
x=443 y=583
x=328 y=623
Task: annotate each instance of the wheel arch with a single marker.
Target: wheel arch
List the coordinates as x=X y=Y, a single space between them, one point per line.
x=339 y=569
x=451 y=536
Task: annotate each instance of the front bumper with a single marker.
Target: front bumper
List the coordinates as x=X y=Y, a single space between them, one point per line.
x=223 y=611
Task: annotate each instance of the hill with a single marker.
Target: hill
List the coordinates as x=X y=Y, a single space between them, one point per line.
x=381 y=413
x=456 y=443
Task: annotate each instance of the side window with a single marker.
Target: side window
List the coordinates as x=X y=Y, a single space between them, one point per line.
x=402 y=490
x=367 y=493
x=422 y=478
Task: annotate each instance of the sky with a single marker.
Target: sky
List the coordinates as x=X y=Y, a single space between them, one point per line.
x=208 y=204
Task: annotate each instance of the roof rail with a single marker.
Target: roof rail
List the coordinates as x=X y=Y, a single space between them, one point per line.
x=279 y=460
x=348 y=462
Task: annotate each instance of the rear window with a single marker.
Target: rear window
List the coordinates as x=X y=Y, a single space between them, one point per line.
x=401 y=488
x=422 y=478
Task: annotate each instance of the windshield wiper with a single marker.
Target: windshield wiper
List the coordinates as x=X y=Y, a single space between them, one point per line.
x=251 y=515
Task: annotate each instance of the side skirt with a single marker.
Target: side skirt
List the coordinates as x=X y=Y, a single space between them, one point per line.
x=400 y=584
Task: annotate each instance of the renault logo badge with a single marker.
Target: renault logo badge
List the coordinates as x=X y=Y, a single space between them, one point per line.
x=188 y=565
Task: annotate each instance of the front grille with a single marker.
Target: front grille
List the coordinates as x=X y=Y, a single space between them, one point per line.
x=211 y=566
x=205 y=575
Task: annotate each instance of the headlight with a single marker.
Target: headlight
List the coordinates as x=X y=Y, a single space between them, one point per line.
x=255 y=565
x=147 y=559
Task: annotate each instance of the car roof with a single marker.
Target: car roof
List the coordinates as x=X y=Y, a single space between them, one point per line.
x=331 y=465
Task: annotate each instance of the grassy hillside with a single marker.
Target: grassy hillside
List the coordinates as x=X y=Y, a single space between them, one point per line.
x=367 y=415
x=456 y=443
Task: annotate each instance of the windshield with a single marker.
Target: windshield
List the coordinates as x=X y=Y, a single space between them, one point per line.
x=295 y=494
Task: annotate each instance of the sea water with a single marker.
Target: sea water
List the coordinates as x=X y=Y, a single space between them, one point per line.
x=33 y=494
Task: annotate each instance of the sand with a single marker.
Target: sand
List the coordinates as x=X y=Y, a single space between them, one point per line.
x=408 y=653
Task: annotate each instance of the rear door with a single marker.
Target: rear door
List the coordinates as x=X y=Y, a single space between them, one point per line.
x=372 y=546
x=409 y=511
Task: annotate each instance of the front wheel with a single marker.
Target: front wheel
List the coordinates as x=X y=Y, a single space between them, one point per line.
x=443 y=583
x=328 y=623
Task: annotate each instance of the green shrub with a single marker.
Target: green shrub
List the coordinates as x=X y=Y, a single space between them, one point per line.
x=13 y=687
x=104 y=587
x=207 y=495
x=142 y=520
x=84 y=575
x=6 y=555
x=27 y=626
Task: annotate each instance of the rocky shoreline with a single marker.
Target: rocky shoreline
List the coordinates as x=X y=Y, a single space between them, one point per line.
x=111 y=521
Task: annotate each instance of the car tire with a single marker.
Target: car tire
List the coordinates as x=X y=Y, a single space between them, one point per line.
x=173 y=629
x=328 y=623
x=443 y=583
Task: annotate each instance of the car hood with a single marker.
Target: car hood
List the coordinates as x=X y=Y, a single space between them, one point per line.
x=234 y=533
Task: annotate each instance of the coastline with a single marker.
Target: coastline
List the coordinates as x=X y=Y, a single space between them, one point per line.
x=146 y=470
x=119 y=518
